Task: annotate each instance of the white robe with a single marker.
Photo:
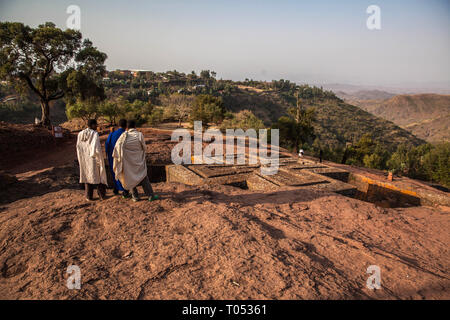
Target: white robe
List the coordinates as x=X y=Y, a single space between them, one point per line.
x=90 y=157
x=130 y=165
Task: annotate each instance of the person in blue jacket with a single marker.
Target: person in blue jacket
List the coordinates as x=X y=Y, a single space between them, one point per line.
x=109 y=148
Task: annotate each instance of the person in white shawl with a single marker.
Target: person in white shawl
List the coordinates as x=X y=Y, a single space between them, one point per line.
x=90 y=159
x=130 y=166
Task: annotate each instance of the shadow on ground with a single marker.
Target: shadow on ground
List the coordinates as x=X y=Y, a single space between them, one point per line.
x=248 y=198
x=47 y=181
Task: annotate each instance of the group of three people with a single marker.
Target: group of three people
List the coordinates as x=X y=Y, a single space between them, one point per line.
x=125 y=149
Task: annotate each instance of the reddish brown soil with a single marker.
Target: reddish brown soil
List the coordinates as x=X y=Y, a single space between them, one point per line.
x=216 y=242
x=30 y=148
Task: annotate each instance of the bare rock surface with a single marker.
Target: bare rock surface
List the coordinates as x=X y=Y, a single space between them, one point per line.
x=210 y=242
x=218 y=242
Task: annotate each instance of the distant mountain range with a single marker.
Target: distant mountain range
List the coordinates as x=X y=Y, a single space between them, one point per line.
x=438 y=88
x=364 y=95
x=427 y=116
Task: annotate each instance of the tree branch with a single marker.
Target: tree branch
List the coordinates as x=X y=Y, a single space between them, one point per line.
x=31 y=85
x=56 y=96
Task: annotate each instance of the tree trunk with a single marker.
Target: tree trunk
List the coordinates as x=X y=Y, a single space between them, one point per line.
x=45 y=119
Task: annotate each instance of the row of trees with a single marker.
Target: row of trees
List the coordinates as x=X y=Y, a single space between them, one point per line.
x=429 y=162
x=151 y=80
x=426 y=162
x=206 y=108
x=112 y=110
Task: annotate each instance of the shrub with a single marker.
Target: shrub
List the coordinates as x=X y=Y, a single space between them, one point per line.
x=245 y=119
x=83 y=109
x=207 y=108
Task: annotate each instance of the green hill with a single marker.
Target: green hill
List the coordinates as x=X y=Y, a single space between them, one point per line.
x=336 y=121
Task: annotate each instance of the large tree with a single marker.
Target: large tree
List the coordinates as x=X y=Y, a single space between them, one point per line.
x=53 y=63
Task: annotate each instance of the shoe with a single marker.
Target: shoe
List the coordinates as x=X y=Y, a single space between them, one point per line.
x=126 y=196
x=135 y=199
x=153 y=198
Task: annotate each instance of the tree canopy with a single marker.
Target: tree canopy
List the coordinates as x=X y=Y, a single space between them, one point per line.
x=53 y=63
x=207 y=108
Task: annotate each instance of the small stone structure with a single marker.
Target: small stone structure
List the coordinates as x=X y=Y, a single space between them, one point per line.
x=305 y=173
x=292 y=172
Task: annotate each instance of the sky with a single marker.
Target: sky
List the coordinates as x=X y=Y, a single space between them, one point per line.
x=320 y=41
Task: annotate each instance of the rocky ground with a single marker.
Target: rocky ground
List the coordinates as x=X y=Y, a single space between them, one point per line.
x=217 y=242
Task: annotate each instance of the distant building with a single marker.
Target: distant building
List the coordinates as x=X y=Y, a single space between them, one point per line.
x=141 y=73
x=124 y=72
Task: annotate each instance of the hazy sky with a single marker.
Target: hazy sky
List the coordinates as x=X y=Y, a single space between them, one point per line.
x=315 y=41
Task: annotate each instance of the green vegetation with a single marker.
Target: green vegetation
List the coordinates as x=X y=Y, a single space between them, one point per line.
x=20 y=111
x=366 y=152
x=297 y=129
x=52 y=63
x=111 y=111
x=140 y=111
x=83 y=109
x=208 y=109
x=25 y=109
x=244 y=119
x=426 y=162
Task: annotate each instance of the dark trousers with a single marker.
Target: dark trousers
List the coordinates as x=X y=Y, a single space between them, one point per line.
x=124 y=192
x=145 y=184
x=89 y=190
